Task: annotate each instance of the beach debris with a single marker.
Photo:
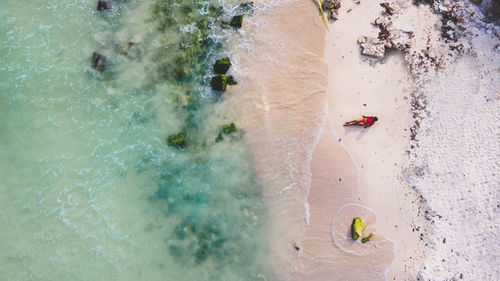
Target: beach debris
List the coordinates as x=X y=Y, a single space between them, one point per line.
x=296 y=246
x=367 y=238
x=357 y=228
x=98 y=61
x=219 y=82
x=372 y=47
x=177 y=140
x=388 y=9
x=332 y=8
x=236 y=21
x=229 y=129
x=103 y=5
x=357 y=2
x=231 y=80
x=322 y=12
x=221 y=66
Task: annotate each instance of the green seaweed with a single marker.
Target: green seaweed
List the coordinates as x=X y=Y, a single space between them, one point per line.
x=229 y=128
x=177 y=140
x=219 y=138
x=367 y=238
x=357 y=228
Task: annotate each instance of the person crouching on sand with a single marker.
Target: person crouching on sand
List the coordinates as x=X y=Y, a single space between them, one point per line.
x=366 y=121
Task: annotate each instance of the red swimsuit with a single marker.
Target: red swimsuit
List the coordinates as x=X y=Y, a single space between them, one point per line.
x=368 y=120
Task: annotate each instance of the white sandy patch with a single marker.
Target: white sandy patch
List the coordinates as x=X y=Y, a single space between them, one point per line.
x=455 y=166
x=362 y=86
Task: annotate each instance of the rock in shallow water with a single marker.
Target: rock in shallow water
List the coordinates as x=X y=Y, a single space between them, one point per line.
x=103 y=5
x=221 y=66
x=177 y=140
x=98 y=61
x=219 y=82
x=236 y=21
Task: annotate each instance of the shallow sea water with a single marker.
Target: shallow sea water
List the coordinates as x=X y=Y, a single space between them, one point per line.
x=89 y=188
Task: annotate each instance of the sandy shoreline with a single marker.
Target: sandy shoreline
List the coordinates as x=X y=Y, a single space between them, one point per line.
x=299 y=84
x=307 y=175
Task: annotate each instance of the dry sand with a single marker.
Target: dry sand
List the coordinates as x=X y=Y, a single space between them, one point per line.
x=362 y=86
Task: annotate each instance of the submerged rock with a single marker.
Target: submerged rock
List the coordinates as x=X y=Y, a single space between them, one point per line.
x=103 y=5
x=229 y=128
x=236 y=21
x=372 y=47
x=221 y=66
x=219 y=82
x=357 y=228
x=387 y=8
x=178 y=140
x=98 y=61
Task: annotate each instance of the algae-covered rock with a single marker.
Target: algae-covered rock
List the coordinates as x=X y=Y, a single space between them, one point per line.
x=231 y=80
x=221 y=66
x=357 y=228
x=229 y=128
x=219 y=82
x=236 y=21
x=367 y=238
x=178 y=140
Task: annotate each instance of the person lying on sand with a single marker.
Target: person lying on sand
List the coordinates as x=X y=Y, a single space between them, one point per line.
x=366 y=121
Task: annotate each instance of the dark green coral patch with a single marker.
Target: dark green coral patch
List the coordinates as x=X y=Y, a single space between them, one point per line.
x=177 y=140
x=229 y=129
x=236 y=21
x=221 y=66
x=219 y=82
x=186 y=9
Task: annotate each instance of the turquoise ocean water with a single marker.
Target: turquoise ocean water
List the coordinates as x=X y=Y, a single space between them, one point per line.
x=89 y=188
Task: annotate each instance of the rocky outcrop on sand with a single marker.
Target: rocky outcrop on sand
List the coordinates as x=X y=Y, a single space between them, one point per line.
x=436 y=42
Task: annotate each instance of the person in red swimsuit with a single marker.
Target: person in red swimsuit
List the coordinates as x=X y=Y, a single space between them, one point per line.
x=366 y=121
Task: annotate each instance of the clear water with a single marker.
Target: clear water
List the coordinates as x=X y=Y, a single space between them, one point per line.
x=89 y=188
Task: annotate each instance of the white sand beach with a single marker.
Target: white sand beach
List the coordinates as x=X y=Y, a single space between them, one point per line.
x=315 y=172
